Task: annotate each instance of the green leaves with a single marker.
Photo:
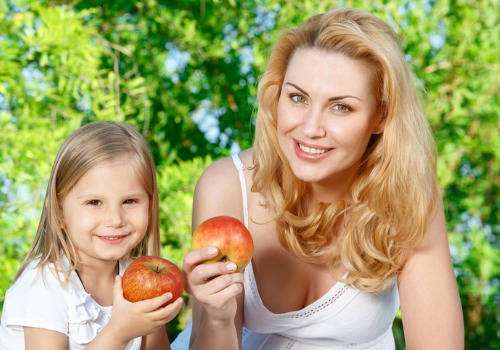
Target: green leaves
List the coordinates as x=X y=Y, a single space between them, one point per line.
x=168 y=66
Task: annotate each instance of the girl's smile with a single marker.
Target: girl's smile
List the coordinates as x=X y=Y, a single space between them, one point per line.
x=112 y=239
x=106 y=213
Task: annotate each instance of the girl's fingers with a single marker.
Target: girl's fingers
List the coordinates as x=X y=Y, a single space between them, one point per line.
x=117 y=288
x=167 y=313
x=149 y=305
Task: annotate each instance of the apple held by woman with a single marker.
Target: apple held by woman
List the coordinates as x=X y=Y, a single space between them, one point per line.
x=151 y=276
x=229 y=235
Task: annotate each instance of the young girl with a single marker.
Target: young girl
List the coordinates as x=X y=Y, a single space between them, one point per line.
x=100 y=211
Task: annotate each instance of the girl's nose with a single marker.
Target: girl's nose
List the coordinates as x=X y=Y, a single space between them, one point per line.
x=114 y=217
x=313 y=124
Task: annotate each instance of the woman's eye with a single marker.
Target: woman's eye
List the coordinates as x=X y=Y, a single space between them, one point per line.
x=298 y=98
x=341 y=108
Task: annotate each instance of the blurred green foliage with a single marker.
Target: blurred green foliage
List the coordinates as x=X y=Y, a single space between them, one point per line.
x=185 y=74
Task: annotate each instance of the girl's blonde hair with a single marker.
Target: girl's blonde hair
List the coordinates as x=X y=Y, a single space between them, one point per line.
x=393 y=195
x=87 y=147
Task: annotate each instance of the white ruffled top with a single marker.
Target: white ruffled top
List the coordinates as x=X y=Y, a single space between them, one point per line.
x=39 y=302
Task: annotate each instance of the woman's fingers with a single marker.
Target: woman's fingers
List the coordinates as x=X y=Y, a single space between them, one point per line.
x=198 y=256
x=206 y=272
x=218 y=284
x=197 y=273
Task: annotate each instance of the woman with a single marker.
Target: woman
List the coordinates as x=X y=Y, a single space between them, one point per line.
x=339 y=192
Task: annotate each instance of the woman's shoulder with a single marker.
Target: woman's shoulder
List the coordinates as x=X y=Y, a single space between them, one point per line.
x=218 y=190
x=223 y=172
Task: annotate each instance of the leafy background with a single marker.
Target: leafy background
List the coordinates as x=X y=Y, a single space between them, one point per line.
x=184 y=73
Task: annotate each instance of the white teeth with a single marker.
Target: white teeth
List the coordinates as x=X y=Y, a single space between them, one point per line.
x=312 y=150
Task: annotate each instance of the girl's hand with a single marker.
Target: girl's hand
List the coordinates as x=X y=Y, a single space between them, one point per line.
x=215 y=285
x=131 y=320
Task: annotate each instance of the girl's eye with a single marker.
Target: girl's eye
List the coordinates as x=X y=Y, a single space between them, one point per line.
x=298 y=98
x=341 y=107
x=130 y=201
x=94 y=202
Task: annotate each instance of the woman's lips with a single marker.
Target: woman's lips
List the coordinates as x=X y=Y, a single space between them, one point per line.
x=311 y=153
x=311 y=150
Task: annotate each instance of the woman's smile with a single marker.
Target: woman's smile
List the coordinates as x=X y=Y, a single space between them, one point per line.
x=327 y=113
x=311 y=153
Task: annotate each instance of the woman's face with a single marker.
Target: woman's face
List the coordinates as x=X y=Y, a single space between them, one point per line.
x=327 y=112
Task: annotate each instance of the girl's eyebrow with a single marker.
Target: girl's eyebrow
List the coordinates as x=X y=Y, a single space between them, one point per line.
x=335 y=98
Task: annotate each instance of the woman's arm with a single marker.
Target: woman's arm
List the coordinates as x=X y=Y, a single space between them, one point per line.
x=430 y=303
x=217 y=292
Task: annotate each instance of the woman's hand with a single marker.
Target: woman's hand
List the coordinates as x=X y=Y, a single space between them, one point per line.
x=215 y=286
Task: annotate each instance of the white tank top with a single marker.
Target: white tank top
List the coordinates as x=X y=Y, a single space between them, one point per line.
x=343 y=318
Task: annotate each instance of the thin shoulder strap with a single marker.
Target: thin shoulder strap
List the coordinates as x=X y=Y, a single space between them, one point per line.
x=240 y=167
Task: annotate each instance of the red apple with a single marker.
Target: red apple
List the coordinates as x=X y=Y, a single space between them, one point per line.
x=229 y=235
x=151 y=276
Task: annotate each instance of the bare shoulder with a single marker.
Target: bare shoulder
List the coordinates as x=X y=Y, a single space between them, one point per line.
x=221 y=174
x=247 y=158
x=218 y=190
x=216 y=171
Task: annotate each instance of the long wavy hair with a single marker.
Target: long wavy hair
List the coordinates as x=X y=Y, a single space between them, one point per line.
x=392 y=197
x=88 y=146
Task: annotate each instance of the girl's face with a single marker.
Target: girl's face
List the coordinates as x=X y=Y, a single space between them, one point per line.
x=327 y=112
x=106 y=213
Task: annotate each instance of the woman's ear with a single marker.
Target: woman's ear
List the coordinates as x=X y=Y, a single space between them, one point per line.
x=379 y=127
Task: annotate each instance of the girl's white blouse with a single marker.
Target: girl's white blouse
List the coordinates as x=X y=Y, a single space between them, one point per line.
x=41 y=301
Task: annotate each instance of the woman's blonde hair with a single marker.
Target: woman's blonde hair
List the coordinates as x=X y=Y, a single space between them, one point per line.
x=393 y=195
x=85 y=148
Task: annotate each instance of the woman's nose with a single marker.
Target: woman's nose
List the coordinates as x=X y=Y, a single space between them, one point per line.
x=313 y=124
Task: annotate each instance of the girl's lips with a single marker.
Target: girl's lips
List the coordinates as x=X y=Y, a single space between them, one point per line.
x=112 y=239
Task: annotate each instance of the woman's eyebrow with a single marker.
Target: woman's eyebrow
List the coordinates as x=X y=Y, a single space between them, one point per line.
x=335 y=98
x=298 y=88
